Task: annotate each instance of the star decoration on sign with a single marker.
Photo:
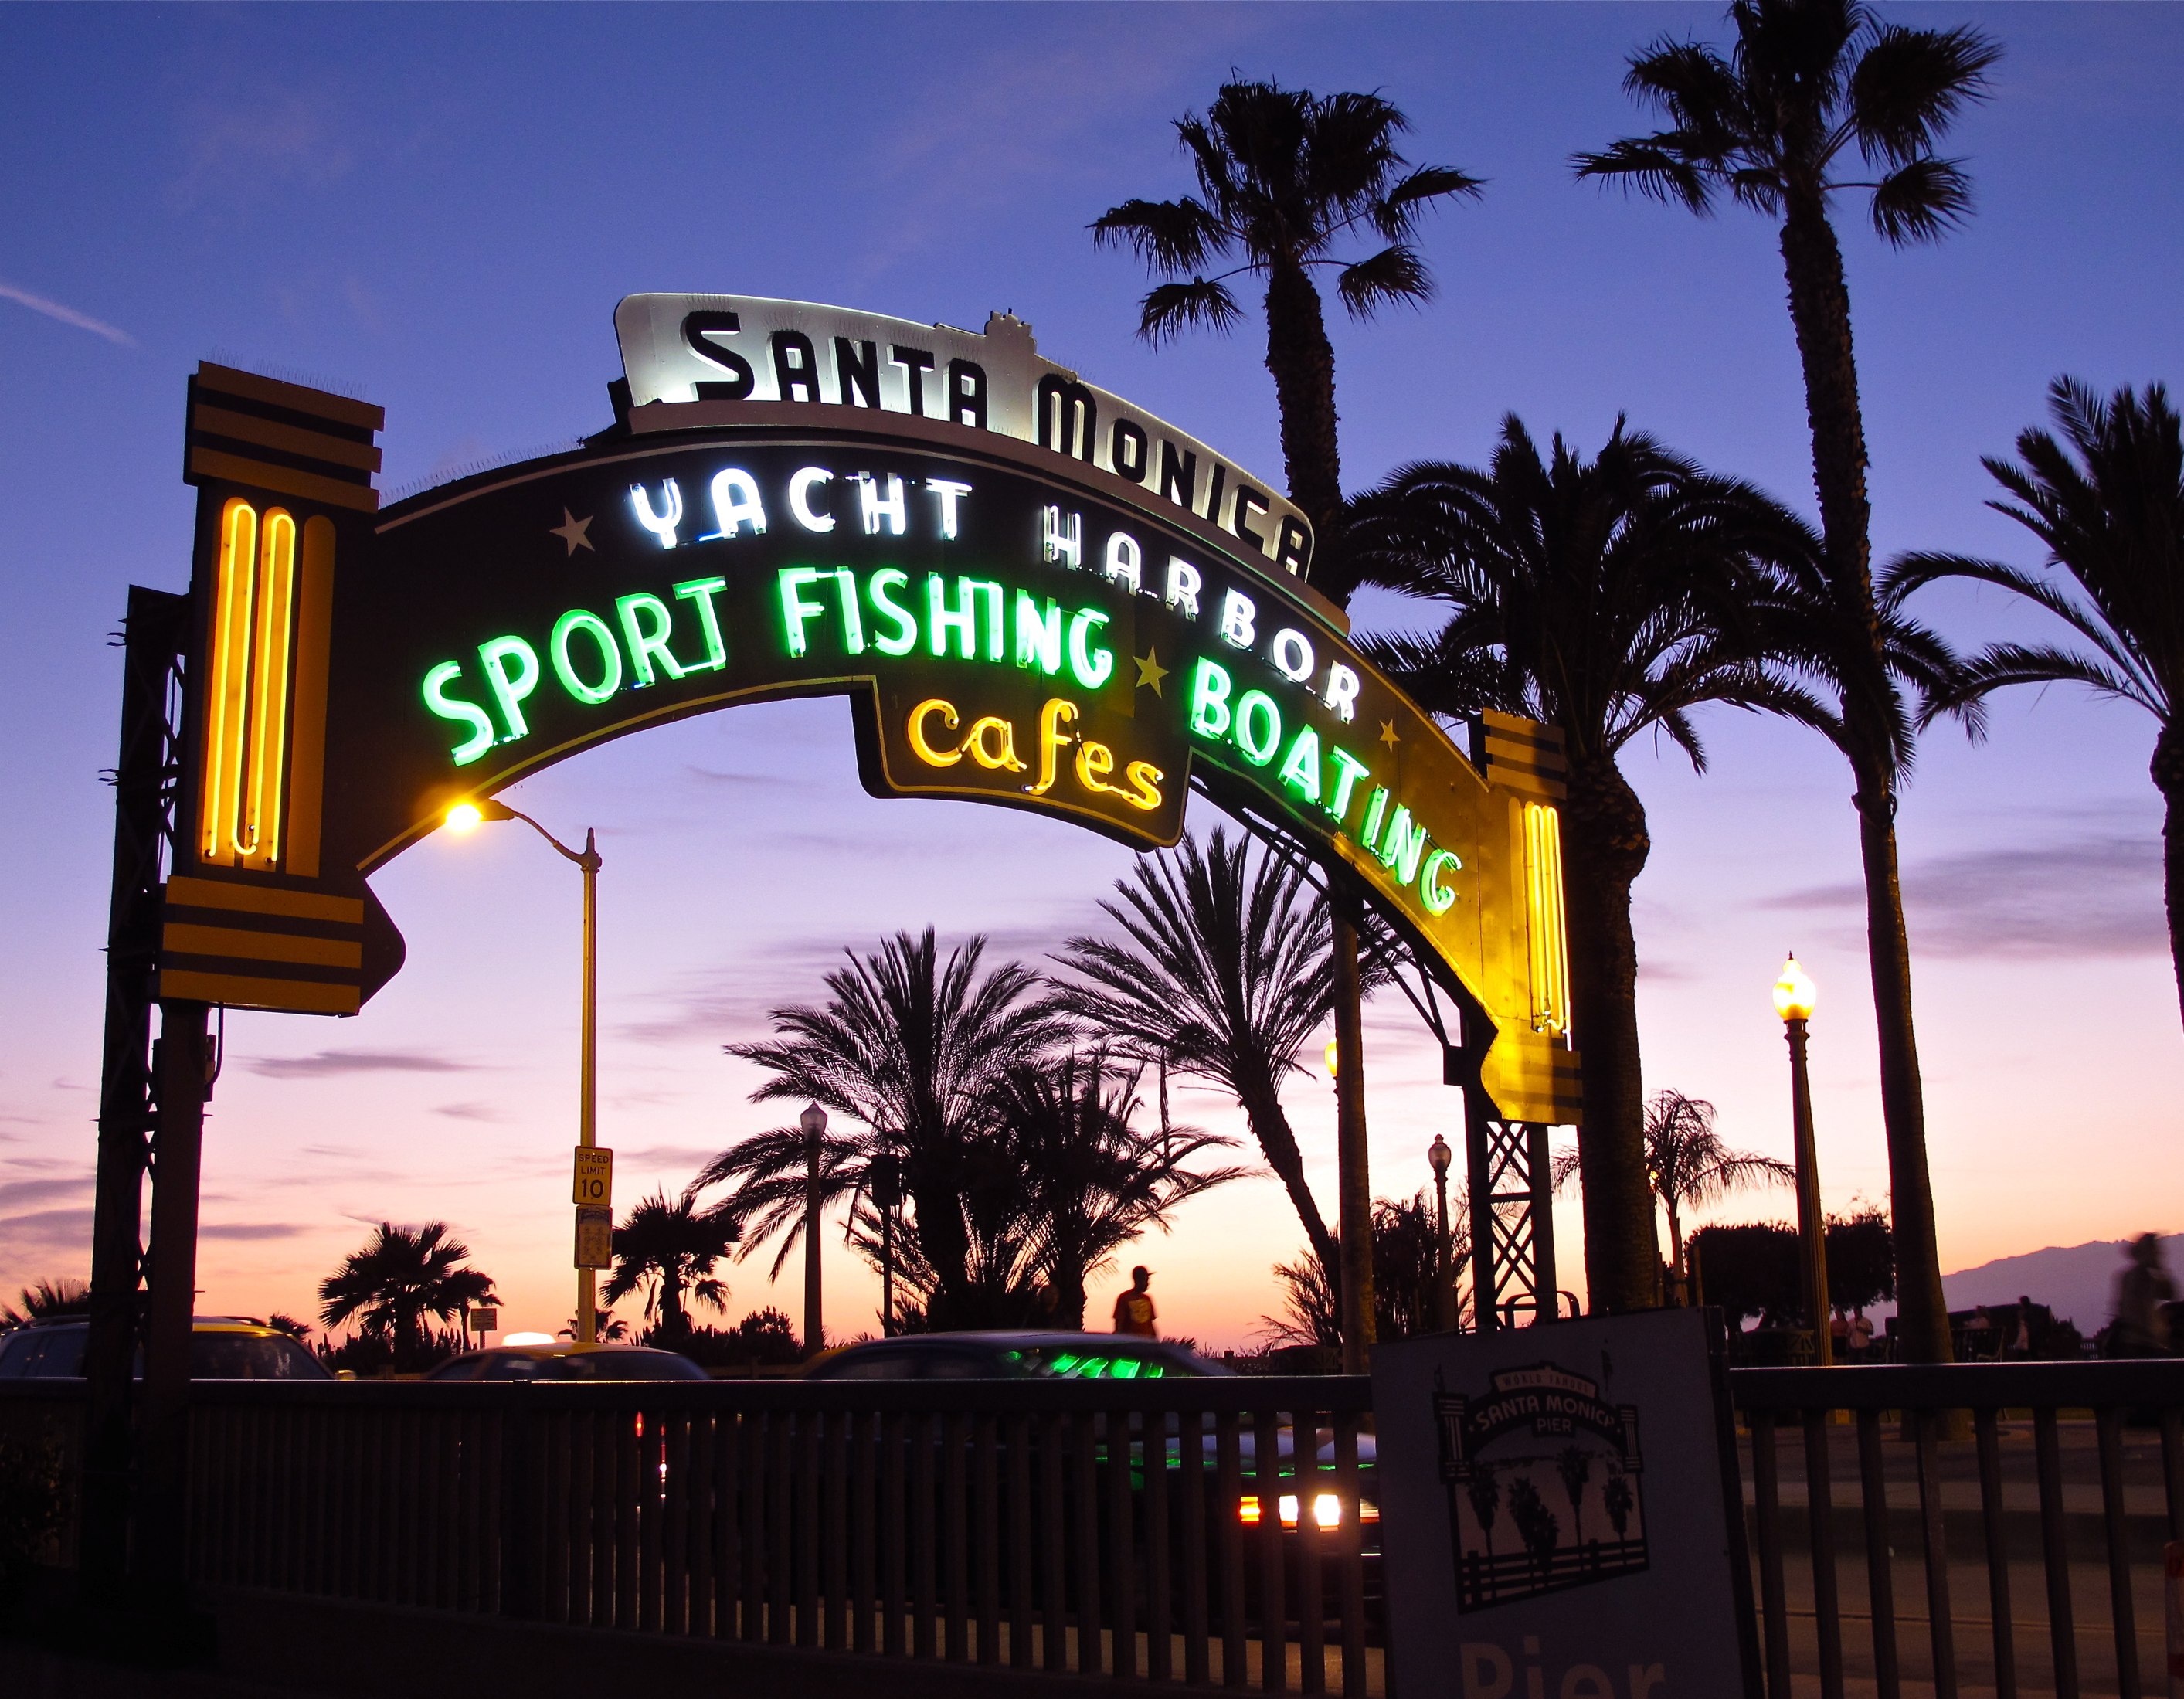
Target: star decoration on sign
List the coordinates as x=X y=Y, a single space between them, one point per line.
x=572 y=531
x=1388 y=734
x=1150 y=671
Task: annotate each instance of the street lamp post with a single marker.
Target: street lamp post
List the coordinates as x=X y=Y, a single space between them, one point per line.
x=1441 y=1155
x=1795 y=998
x=814 y=1123
x=462 y=817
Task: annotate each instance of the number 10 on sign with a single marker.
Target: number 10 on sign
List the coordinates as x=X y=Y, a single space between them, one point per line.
x=594 y=1183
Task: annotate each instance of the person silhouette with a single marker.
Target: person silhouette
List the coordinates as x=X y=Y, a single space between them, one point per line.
x=1134 y=1310
x=2140 y=1328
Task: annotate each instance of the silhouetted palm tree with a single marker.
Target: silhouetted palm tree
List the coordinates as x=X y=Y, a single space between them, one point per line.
x=400 y=1276
x=1222 y=973
x=1089 y=1179
x=1286 y=179
x=1687 y=1165
x=1609 y=598
x=671 y=1247
x=1810 y=85
x=2107 y=502
x=46 y=1299
x=910 y=1050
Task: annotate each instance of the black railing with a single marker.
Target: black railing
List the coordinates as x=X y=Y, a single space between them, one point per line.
x=1997 y=1526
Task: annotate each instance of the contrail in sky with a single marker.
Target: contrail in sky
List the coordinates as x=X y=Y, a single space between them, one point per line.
x=67 y=316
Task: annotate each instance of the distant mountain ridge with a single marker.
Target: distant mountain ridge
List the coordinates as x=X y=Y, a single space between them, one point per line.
x=2076 y=1281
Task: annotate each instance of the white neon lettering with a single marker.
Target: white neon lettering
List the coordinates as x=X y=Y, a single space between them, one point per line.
x=1125 y=560
x=1342 y=691
x=893 y=507
x=662 y=526
x=736 y=503
x=1236 y=614
x=947 y=492
x=1291 y=655
x=800 y=499
x=1184 y=584
x=1061 y=542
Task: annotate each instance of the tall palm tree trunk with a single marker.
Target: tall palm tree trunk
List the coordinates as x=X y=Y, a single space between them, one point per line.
x=1820 y=311
x=1270 y=1125
x=1302 y=359
x=1609 y=845
x=1354 y=1172
x=2169 y=779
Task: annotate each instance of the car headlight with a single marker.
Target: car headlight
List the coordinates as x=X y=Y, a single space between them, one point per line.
x=1326 y=1510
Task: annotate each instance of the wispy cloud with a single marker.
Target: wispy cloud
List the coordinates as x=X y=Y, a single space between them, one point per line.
x=471 y=1111
x=249 y=1229
x=2095 y=894
x=328 y=1063
x=67 y=316
x=243 y=148
x=711 y=778
x=19 y=1193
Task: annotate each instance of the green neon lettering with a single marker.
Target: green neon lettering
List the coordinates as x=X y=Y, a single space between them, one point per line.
x=461 y=712
x=1090 y=667
x=797 y=612
x=1258 y=726
x=940 y=619
x=647 y=646
x=1209 y=699
x=1348 y=770
x=509 y=690
x=593 y=626
x=1404 y=846
x=881 y=587
x=1300 y=766
x=853 y=626
x=1126 y=1368
x=991 y=593
x=1038 y=634
x=1432 y=892
x=700 y=592
x=1376 y=811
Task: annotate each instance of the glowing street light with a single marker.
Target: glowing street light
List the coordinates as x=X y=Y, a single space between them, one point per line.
x=1796 y=997
x=464 y=817
x=1439 y=1156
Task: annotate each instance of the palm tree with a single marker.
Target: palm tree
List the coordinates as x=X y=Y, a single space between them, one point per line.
x=1608 y=597
x=1687 y=1165
x=1222 y=973
x=400 y=1276
x=1286 y=178
x=2107 y=502
x=910 y=1050
x=1065 y=1141
x=46 y=1300
x=1810 y=85
x=672 y=1247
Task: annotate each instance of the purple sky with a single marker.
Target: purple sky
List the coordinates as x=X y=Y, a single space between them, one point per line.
x=437 y=208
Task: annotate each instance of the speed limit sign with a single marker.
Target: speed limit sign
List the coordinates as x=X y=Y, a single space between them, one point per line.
x=594 y=1184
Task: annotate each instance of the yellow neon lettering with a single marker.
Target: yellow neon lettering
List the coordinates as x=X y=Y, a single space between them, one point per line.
x=1545 y=929
x=1003 y=754
x=1053 y=719
x=1094 y=761
x=1144 y=781
x=916 y=732
x=881 y=587
x=258 y=841
x=228 y=698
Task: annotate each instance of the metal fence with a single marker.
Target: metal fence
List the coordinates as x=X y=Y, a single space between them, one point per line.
x=1978 y=1528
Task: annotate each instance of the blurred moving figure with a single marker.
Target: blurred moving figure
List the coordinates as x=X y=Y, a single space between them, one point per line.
x=2141 y=1326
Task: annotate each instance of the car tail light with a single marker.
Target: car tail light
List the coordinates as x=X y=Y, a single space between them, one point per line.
x=1326 y=1510
x=1247 y=1510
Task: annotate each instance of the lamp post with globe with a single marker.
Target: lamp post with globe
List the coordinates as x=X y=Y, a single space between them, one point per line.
x=1795 y=998
x=1439 y=1156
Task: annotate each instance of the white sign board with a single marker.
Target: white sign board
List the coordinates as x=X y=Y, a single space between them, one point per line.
x=1560 y=1513
x=741 y=350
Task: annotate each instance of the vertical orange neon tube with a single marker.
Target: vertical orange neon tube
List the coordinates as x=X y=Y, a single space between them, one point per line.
x=226 y=693
x=257 y=840
x=1545 y=926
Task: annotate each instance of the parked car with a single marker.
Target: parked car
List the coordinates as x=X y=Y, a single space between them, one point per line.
x=221 y=1348
x=564 y=1361
x=1013 y=1356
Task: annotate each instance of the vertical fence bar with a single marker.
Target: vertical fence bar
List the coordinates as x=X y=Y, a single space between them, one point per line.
x=924 y=1582
x=805 y=1533
x=1274 y=1612
x=648 y=1437
x=1192 y=1428
x=1880 y=1580
x=1986 y=1429
x=751 y=1620
x=1084 y=1449
x=676 y=1494
x=1054 y=1551
x=1228 y=1499
x=1935 y=1546
x=954 y=1431
x=1312 y=1623
x=1122 y=1568
x=2062 y=1630
x=986 y=1533
x=704 y=1488
x=728 y=1530
x=781 y=1529
x=2108 y=1427
x=894 y=1429
x=865 y=1441
x=600 y=1447
x=1022 y=1568
x=559 y=1440
x=838 y=1441
x=1766 y=1501
x=1160 y=1598
x=2172 y=1468
x=1350 y=1486
x=1820 y=1523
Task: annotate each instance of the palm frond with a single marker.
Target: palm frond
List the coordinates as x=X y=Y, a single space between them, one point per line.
x=1921 y=201
x=1394 y=275
x=1909 y=85
x=1171 y=308
x=1170 y=236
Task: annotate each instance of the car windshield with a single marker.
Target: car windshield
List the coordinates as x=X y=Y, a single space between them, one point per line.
x=589 y=1365
x=45 y=1353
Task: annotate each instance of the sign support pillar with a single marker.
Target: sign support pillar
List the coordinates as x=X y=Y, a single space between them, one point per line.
x=182 y=1073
